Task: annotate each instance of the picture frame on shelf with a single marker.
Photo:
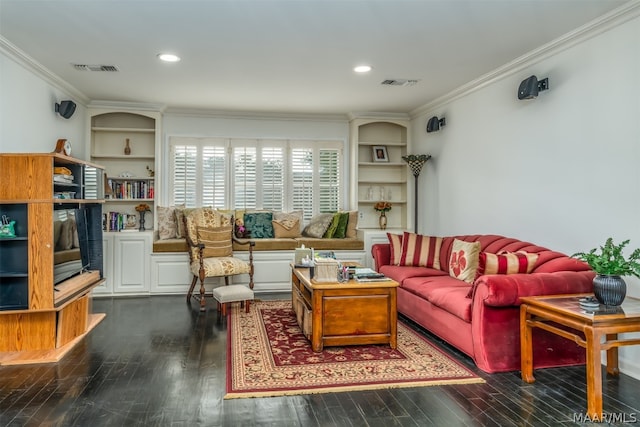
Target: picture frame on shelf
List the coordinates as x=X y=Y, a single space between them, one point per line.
x=379 y=153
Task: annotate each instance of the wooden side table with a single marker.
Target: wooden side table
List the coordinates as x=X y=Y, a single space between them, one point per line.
x=606 y=322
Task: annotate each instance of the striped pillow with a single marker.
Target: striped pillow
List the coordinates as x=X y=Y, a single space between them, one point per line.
x=396 y=248
x=506 y=263
x=420 y=251
x=216 y=241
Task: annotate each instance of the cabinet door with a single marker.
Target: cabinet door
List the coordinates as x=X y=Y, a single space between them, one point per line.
x=131 y=268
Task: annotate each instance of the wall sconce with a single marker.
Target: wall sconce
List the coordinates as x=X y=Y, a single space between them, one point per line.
x=434 y=124
x=530 y=87
x=65 y=108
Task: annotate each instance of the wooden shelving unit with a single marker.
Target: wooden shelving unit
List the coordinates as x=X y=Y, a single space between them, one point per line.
x=39 y=322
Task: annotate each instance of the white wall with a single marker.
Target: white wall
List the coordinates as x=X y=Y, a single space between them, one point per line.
x=247 y=126
x=28 y=122
x=561 y=171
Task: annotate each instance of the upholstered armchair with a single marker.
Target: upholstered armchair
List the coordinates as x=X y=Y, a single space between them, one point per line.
x=210 y=237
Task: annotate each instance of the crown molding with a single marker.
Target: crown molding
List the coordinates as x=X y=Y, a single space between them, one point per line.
x=12 y=52
x=581 y=34
x=256 y=115
x=375 y=115
x=125 y=105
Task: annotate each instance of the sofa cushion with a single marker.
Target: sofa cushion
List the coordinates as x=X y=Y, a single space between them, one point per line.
x=400 y=273
x=463 y=262
x=445 y=292
x=423 y=251
x=318 y=225
x=259 y=225
x=395 y=240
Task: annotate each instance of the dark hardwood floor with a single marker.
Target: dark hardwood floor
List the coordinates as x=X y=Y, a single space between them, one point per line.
x=155 y=361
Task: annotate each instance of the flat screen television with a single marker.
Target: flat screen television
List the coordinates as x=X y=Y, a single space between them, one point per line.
x=77 y=236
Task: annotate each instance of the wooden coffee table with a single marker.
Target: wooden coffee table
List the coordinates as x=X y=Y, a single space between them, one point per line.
x=349 y=313
x=600 y=329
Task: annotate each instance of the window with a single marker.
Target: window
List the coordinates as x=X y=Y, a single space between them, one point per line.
x=279 y=175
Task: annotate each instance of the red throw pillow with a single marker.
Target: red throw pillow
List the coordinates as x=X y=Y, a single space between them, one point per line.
x=420 y=251
x=506 y=263
x=520 y=262
x=395 y=240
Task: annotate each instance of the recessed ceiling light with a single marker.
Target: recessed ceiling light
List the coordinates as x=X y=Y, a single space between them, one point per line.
x=168 y=57
x=362 y=69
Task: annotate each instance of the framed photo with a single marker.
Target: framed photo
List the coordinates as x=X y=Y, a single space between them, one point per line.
x=380 y=153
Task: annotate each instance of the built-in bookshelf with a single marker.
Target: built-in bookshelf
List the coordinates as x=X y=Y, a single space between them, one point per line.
x=378 y=171
x=125 y=141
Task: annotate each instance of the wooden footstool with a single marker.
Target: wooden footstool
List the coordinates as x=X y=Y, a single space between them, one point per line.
x=232 y=293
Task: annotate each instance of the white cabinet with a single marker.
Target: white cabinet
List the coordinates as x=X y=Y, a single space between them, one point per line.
x=106 y=288
x=371 y=237
x=376 y=178
x=127 y=263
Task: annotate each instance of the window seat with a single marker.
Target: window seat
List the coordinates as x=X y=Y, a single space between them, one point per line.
x=272 y=259
x=282 y=244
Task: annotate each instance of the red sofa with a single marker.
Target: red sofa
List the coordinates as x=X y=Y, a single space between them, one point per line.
x=486 y=326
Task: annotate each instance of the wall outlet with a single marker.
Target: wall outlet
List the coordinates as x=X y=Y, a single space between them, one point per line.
x=360 y=215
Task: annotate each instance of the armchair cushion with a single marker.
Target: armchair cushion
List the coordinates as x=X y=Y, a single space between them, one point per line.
x=216 y=241
x=219 y=267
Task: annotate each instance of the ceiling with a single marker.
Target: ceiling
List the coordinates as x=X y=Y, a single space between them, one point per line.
x=284 y=56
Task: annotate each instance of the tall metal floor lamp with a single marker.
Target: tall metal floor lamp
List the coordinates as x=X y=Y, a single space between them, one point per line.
x=416 y=161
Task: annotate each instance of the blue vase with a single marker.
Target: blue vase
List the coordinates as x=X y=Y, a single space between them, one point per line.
x=609 y=289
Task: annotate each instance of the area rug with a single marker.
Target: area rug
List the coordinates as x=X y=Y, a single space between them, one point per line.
x=267 y=355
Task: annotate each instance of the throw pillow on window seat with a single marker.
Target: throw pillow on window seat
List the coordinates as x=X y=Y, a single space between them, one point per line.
x=286 y=228
x=318 y=225
x=259 y=224
x=333 y=226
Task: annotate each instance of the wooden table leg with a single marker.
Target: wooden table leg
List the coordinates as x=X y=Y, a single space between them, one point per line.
x=612 y=356
x=317 y=343
x=393 y=320
x=594 y=374
x=526 y=347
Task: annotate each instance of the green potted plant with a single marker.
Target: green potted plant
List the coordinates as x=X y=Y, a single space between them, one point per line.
x=610 y=264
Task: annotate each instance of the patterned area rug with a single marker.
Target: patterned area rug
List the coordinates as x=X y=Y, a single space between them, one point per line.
x=267 y=355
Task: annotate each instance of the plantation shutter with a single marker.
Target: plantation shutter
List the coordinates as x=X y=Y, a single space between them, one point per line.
x=302 y=181
x=199 y=172
x=329 y=180
x=244 y=176
x=272 y=182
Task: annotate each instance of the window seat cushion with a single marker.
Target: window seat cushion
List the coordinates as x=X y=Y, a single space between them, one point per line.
x=270 y=244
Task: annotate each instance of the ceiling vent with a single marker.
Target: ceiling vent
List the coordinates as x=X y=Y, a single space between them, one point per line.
x=107 y=68
x=399 y=82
